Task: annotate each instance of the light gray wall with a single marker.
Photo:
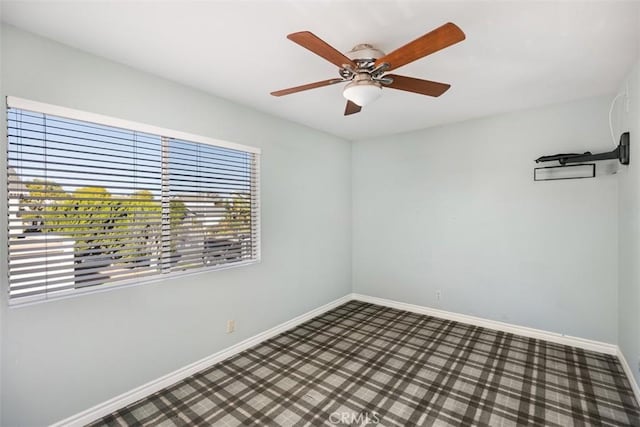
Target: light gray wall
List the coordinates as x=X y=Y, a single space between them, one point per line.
x=455 y=208
x=64 y=356
x=629 y=227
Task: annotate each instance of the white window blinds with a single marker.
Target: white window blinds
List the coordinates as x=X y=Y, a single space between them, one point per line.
x=94 y=204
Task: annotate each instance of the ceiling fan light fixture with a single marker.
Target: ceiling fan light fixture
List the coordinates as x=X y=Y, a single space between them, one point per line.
x=362 y=92
x=365 y=67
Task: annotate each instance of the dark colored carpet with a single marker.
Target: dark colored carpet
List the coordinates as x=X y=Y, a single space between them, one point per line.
x=361 y=363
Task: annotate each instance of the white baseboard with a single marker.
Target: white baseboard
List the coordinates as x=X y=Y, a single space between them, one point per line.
x=555 y=337
x=630 y=376
x=111 y=405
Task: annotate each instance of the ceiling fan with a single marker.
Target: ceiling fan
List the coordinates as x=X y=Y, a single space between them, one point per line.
x=364 y=66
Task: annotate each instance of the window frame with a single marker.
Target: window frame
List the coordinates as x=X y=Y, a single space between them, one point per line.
x=69 y=113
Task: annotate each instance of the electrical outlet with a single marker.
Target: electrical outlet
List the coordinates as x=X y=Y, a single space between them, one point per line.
x=231 y=326
x=438 y=295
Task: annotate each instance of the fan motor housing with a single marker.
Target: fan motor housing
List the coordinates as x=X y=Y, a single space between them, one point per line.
x=364 y=53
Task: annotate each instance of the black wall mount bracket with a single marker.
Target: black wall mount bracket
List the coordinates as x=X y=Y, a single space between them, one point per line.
x=621 y=153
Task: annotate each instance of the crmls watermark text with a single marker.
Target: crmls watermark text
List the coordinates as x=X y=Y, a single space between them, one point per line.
x=350 y=418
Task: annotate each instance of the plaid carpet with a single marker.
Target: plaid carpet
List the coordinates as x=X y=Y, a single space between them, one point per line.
x=362 y=364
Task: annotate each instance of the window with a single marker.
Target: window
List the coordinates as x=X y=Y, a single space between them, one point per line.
x=95 y=201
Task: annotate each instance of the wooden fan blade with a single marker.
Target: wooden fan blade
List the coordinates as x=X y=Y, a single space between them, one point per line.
x=351 y=108
x=438 y=39
x=306 y=87
x=423 y=87
x=315 y=44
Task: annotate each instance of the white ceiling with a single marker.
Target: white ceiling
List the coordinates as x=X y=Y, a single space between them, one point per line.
x=517 y=54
